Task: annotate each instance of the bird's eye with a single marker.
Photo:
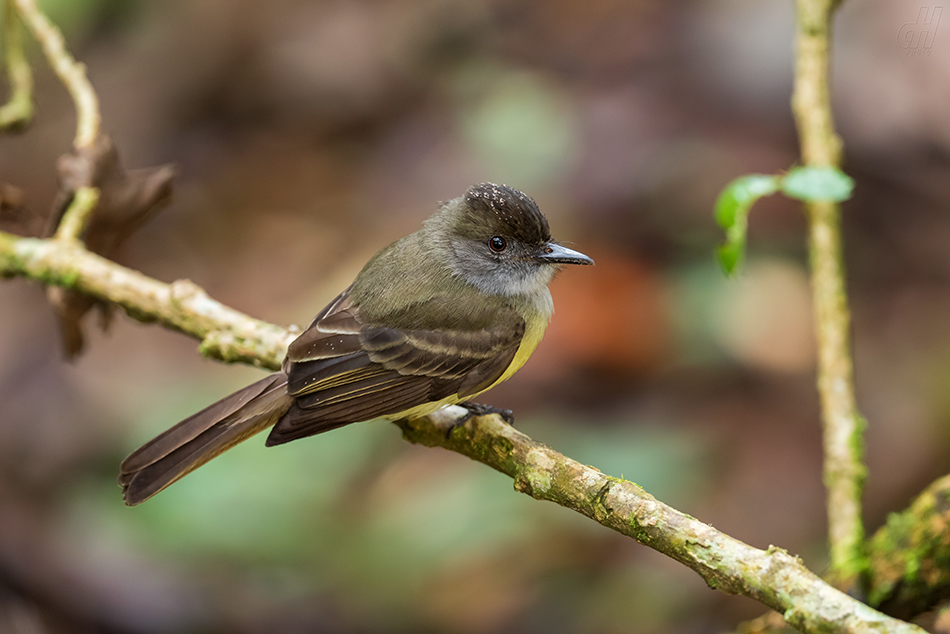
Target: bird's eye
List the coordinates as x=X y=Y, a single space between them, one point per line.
x=497 y=244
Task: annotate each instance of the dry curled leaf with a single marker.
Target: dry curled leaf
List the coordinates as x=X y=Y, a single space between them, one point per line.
x=127 y=199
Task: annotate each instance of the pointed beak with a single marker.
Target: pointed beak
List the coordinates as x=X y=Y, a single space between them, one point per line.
x=554 y=253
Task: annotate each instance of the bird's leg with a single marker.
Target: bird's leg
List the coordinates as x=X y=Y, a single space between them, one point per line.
x=479 y=409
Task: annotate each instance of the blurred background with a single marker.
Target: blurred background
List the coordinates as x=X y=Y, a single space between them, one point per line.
x=310 y=134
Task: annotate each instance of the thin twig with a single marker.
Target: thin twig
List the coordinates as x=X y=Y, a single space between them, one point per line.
x=844 y=470
x=76 y=217
x=773 y=577
x=17 y=113
x=69 y=71
x=88 y=119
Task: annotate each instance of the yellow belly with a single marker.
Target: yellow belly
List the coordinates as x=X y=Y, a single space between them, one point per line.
x=532 y=337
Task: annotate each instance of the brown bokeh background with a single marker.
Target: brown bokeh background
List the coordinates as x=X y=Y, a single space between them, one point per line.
x=310 y=134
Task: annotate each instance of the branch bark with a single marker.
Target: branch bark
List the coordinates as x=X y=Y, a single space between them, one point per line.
x=773 y=577
x=844 y=470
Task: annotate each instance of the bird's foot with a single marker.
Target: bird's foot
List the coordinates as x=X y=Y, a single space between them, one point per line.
x=478 y=409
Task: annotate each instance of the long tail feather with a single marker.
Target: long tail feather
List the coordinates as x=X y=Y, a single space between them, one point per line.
x=199 y=438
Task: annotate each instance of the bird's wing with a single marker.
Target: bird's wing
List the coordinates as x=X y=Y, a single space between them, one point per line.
x=341 y=370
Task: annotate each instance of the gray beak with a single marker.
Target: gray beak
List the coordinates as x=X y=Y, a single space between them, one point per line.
x=554 y=253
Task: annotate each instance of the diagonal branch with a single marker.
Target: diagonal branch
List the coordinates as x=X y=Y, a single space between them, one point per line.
x=844 y=470
x=773 y=577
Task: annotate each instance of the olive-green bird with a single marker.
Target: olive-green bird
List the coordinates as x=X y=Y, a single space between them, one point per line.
x=433 y=319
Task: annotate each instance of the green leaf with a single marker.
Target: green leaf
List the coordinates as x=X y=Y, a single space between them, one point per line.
x=817 y=183
x=729 y=256
x=739 y=195
x=732 y=214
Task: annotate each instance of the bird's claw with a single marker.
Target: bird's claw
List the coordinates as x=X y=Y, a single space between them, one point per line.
x=479 y=409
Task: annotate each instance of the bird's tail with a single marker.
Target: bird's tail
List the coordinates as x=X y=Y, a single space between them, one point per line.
x=199 y=438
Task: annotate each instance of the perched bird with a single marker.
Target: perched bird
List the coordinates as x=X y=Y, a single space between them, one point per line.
x=434 y=319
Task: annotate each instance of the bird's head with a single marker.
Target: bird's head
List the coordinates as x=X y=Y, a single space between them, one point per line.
x=499 y=241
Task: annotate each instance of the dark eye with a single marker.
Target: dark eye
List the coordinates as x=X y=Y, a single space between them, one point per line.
x=497 y=244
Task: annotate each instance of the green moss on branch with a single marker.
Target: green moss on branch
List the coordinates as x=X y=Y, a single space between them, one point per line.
x=909 y=569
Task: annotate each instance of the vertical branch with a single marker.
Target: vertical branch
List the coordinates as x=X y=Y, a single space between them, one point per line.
x=18 y=111
x=844 y=469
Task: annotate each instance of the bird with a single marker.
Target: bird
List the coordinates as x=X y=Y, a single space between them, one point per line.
x=434 y=319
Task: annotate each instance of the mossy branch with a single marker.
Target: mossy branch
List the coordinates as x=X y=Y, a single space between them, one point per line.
x=844 y=470
x=908 y=561
x=909 y=557
x=773 y=577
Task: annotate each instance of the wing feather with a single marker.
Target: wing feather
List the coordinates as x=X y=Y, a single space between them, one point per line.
x=299 y=422
x=306 y=376
x=341 y=370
